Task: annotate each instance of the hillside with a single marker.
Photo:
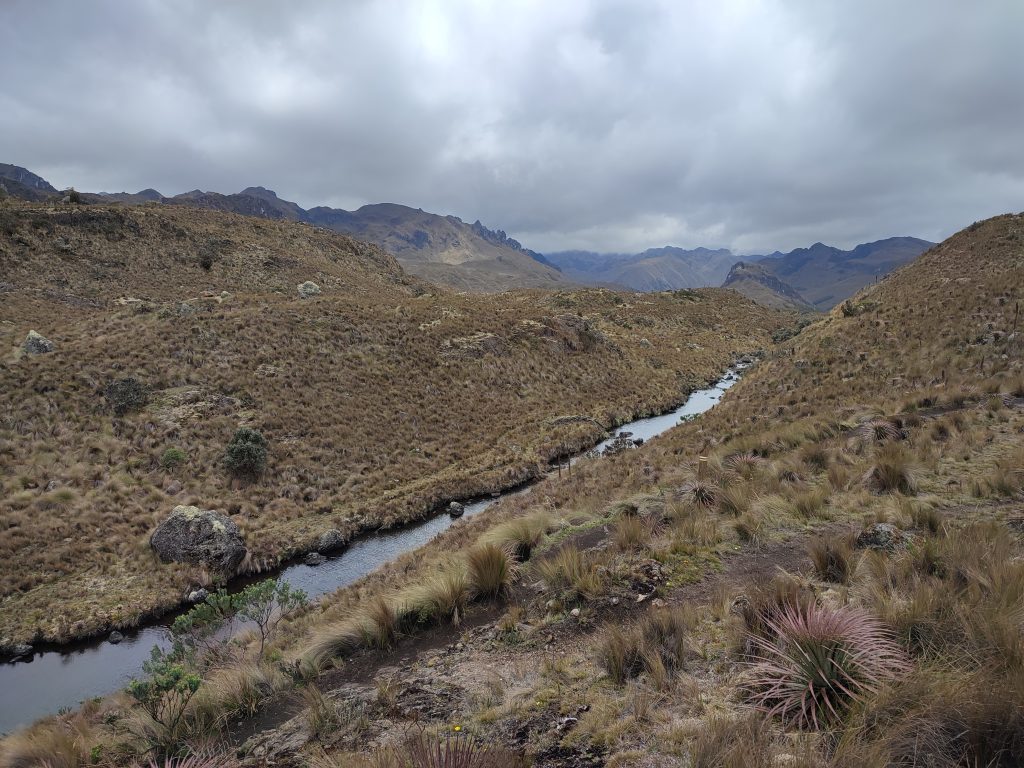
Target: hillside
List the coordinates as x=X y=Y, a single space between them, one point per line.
x=825 y=275
x=864 y=481
x=380 y=400
x=755 y=282
x=443 y=249
x=656 y=269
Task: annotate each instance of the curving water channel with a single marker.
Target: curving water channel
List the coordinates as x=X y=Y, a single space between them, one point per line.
x=64 y=677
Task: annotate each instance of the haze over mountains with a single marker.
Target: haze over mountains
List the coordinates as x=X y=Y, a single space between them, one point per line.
x=449 y=251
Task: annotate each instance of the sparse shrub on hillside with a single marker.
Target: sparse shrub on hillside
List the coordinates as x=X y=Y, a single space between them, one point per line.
x=833 y=559
x=491 y=570
x=126 y=395
x=892 y=472
x=572 y=573
x=246 y=454
x=172 y=457
x=164 y=697
x=819 y=662
x=658 y=645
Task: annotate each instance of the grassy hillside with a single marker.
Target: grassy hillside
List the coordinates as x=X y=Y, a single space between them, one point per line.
x=824 y=571
x=380 y=400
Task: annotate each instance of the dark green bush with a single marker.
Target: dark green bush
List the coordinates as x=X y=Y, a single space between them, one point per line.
x=126 y=395
x=246 y=455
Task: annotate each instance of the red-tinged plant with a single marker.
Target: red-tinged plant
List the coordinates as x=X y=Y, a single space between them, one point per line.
x=817 y=661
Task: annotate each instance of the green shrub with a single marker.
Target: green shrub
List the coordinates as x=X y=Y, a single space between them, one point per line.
x=246 y=455
x=126 y=395
x=172 y=457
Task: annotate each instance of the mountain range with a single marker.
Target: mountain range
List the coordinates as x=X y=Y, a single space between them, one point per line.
x=819 y=277
x=448 y=251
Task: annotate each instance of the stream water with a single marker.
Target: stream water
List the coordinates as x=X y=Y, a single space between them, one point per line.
x=64 y=677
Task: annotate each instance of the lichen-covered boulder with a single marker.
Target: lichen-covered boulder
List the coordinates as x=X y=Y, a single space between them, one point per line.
x=37 y=344
x=308 y=289
x=330 y=540
x=883 y=536
x=200 y=537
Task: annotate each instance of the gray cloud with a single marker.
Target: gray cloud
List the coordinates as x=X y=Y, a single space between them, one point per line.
x=607 y=125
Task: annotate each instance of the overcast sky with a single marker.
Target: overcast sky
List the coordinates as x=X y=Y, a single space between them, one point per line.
x=611 y=125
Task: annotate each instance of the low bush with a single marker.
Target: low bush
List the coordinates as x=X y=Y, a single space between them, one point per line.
x=246 y=454
x=491 y=570
x=833 y=559
x=126 y=395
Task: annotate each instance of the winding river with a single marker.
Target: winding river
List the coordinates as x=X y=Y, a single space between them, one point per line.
x=62 y=678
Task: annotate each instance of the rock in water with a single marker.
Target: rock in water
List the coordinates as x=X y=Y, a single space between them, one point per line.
x=115 y=637
x=200 y=537
x=37 y=344
x=314 y=559
x=308 y=289
x=455 y=509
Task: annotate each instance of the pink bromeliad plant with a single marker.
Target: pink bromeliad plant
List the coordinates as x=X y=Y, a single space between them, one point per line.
x=813 y=662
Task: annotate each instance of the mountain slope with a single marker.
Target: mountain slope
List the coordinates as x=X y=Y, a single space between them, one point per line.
x=442 y=249
x=380 y=401
x=656 y=269
x=825 y=275
x=758 y=284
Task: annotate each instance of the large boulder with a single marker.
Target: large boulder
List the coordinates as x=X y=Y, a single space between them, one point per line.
x=308 y=289
x=882 y=536
x=37 y=344
x=200 y=537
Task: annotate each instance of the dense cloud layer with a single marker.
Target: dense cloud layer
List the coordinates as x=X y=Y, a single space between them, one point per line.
x=606 y=125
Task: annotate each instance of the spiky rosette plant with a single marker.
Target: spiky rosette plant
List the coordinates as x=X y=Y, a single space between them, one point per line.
x=745 y=464
x=700 y=492
x=816 y=661
x=881 y=430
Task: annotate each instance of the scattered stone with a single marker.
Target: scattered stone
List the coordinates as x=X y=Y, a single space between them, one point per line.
x=638 y=441
x=884 y=536
x=330 y=540
x=52 y=485
x=37 y=344
x=200 y=537
x=173 y=488
x=115 y=637
x=575 y=613
x=20 y=650
x=308 y=289
x=198 y=595
x=314 y=559
x=455 y=509
x=310 y=494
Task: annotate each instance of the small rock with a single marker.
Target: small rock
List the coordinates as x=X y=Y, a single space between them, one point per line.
x=455 y=509
x=658 y=602
x=52 y=485
x=21 y=650
x=575 y=613
x=115 y=637
x=884 y=536
x=330 y=540
x=642 y=598
x=308 y=289
x=615 y=601
x=173 y=488
x=314 y=559
x=197 y=596
x=310 y=494
x=37 y=344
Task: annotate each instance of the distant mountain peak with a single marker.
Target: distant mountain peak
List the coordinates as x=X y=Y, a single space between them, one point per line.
x=262 y=192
